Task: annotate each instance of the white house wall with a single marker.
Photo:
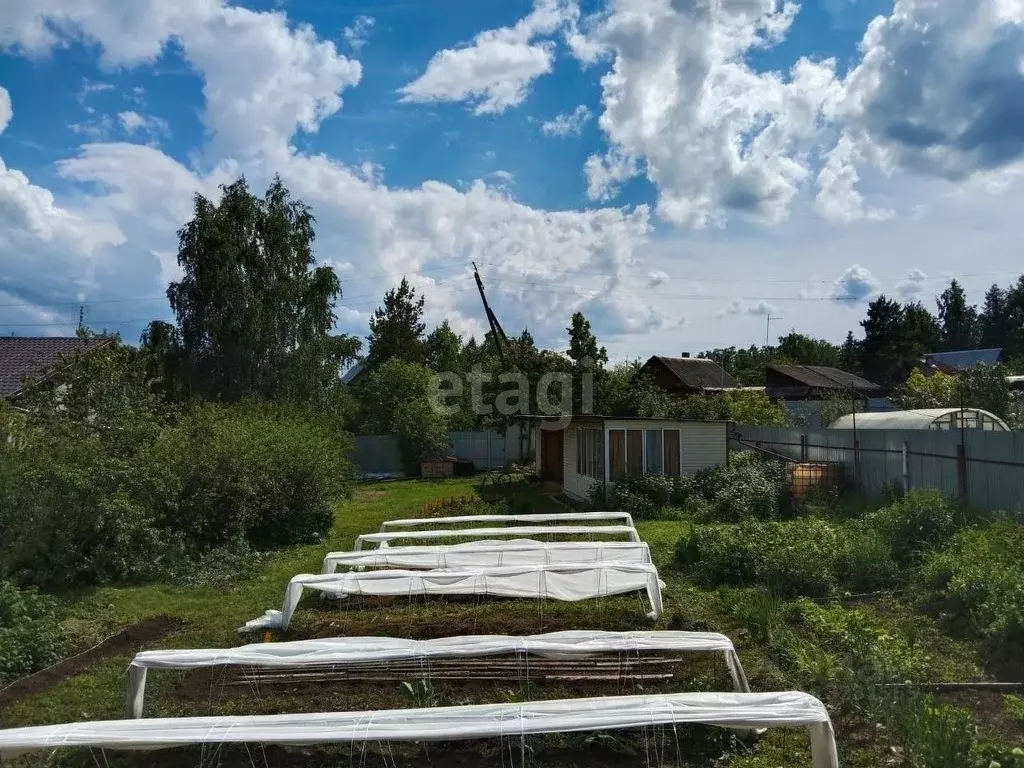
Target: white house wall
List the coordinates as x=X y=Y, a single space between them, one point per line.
x=704 y=445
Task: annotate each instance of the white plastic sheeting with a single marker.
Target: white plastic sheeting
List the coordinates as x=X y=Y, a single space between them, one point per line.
x=480 y=554
x=557 y=517
x=363 y=650
x=385 y=538
x=734 y=710
x=563 y=581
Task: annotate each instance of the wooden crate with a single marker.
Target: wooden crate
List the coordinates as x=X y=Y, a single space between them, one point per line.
x=437 y=468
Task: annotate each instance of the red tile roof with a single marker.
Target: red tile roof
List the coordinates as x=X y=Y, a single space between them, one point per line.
x=35 y=357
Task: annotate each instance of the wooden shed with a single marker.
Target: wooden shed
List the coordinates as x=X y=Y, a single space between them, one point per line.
x=581 y=452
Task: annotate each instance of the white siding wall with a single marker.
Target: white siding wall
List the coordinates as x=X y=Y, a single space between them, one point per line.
x=704 y=445
x=576 y=486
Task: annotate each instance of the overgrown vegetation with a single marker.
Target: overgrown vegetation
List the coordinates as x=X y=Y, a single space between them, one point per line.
x=108 y=481
x=748 y=487
x=30 y=637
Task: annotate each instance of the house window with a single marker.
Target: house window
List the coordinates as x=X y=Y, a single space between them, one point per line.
x=590 y=452
x=644 y=451
x=671 y=440
x=635 y=451
x=617 y=452
x=655 y=458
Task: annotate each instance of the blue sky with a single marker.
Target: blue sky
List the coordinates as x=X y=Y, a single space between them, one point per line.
x=678 y=174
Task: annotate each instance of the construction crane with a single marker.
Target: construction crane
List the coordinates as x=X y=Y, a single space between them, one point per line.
x=497 y=332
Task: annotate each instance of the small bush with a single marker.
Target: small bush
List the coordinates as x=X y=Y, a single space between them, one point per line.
x=750 y=487
x=980 y=575
x=30 y=637
x=791 y=558
x=916 y=523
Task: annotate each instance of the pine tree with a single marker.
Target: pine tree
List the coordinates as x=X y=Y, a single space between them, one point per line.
x=958 y=318
x=849 y=354
x=884 y=351
x=994 y=320
x=444 y=349
x=396 y=328
x=583 y=344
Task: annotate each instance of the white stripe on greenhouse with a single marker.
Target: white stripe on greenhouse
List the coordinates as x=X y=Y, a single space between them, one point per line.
x=555 y=517
x=731 y=710
x=561 y=581
x=573 y=644
x=385 y=538
x=478 y=554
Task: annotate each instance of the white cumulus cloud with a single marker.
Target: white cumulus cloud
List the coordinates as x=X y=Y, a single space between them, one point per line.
x=682 y=104
x=912 y=285
x=496 y=70
x=856 y=284
x=567 y=123
x=358 y=33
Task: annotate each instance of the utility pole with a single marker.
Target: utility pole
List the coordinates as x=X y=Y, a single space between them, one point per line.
x=768 y=327
x=496 y=330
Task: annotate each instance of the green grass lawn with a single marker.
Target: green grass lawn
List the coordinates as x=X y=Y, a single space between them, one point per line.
x=211 y=617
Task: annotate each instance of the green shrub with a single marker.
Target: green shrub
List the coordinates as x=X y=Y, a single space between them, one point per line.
x=980 y=575
x=267 y=475
x=791 y=558
x=915 y=523
x=750 y=487
x=30 y=637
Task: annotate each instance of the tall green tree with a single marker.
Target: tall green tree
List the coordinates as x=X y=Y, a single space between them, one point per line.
x=254 y=314
x=396 y=327
x=583 y=344
x=884 y=351
x=395 y=400
x=923 y=332
x=444 y=349
x=1013 y=343
x=849 y=354
x=959 y=320
x=994 y=320
x=806 y=350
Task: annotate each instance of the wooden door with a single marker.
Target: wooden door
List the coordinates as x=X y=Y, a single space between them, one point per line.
x=551 y=455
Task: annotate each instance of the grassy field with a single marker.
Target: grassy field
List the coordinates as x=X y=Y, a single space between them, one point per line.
x=210 y=616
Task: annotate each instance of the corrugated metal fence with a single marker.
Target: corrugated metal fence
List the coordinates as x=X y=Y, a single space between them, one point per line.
x=379 y=455
x=986 y=469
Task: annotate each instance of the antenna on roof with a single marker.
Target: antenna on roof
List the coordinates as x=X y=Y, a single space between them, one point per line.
x=768 y=327
x=81 y=316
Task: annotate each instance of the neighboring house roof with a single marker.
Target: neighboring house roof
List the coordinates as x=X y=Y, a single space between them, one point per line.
x=36 y=357
x=823 y=377
x=963 y=359
x=695 y=372
x=352 y=373
x=920 y=418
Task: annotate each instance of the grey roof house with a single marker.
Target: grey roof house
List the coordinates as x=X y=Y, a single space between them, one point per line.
x=810 y=382
x=687 y=375
x=962 y=360
x=37 y=357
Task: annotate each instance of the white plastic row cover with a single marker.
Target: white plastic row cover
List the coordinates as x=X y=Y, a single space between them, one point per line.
x=385 y=538
x=734 y=710
x=360 y=650
x=488 y=553
x=563 y=581
x=555 y=517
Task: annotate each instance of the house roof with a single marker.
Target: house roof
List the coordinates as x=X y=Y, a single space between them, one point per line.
x=963 y=359
x=35 y=357
x=823 y=377
x=696 y=372
x=353 y=373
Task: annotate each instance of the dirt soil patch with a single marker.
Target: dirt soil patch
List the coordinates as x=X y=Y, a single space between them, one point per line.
x=127 y=640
